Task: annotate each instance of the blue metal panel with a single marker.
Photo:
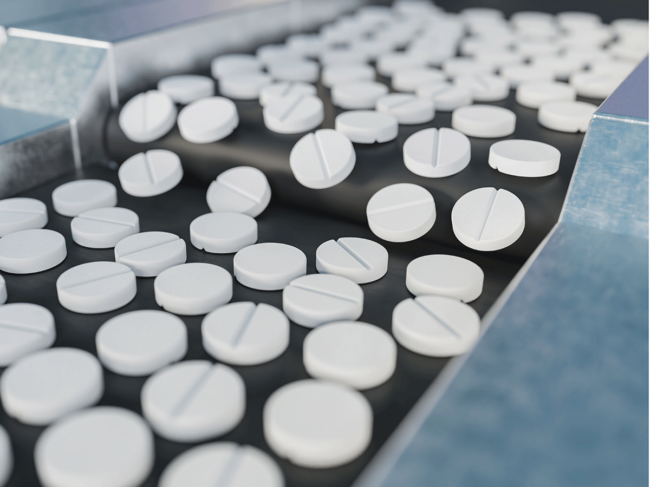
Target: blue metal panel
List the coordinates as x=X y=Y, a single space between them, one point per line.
x=631 y=98
x=17 y=124
x=556 y=392
x=48 y=78
x=137 y=18
x=610 y=183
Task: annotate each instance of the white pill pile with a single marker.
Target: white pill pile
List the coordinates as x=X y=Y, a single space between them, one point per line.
x=353 y=353
x=436 y=326
x=437 y=153
x=193 y=401
x=445 y=96
x=141 y=342
x=322 y=298
x=24 y=328
x=347 y=73
x=244 y=86
x=401 y=212
x=445 y=275
x=488 y=219
x=245 y=333
x=358 y=95
x=317 y=424
x=21 y=214
x=193 y=289
x=150 y=173
x=358 y=259
x=322 y=159
x=150 y=253
x=241 y=189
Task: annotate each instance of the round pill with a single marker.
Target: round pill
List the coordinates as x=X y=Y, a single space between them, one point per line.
x=6 y=457
x=299 y=70
x=241 y=189
x=148 y=116
x=193 y=400
x=150 y=173
x=487 y=219
x=347 y=73
x=293 y=114
x=445 y=96
x=401 y=212
x=223 y=232
x=150 y=253
x=224 y=464
x=331 y=57
x=533 y=94
x=537 y=47
x=269 y=266
x=437 y=153
x=406 y=108
x=566 y=116
x=322 y=159
x=193 y=289
x=562 y=67
x=246 y=86
x=595 y=85
x=103 y=228
x=444 y=275
x=45 y=385
x=367 y=126
x=465 y=66
x=235 y=64
x=436 y=326
x=103 y=446
x=484 y=121
x=517 y=74
x=307 y=44
x=96 y=287
x=410 y=79
x=245 y=333
x=485 y=87
x=76 y=197
x=140 y=342
x=570 y=20
x=24 y=328
x=391 y=62
x=358 y=259
x=31 y=251
x=285 y=88
x=21 y=214
x=322 y=298
x=277 y=53
x=208 y=120
x=524 y=158
x=354 y=353
x=357 y=94
x=3 y=291
x=186 y=88
x=317 y=424
x=498 y=58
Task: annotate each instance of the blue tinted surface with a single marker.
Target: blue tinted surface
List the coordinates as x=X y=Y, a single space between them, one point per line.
x=631 y=98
